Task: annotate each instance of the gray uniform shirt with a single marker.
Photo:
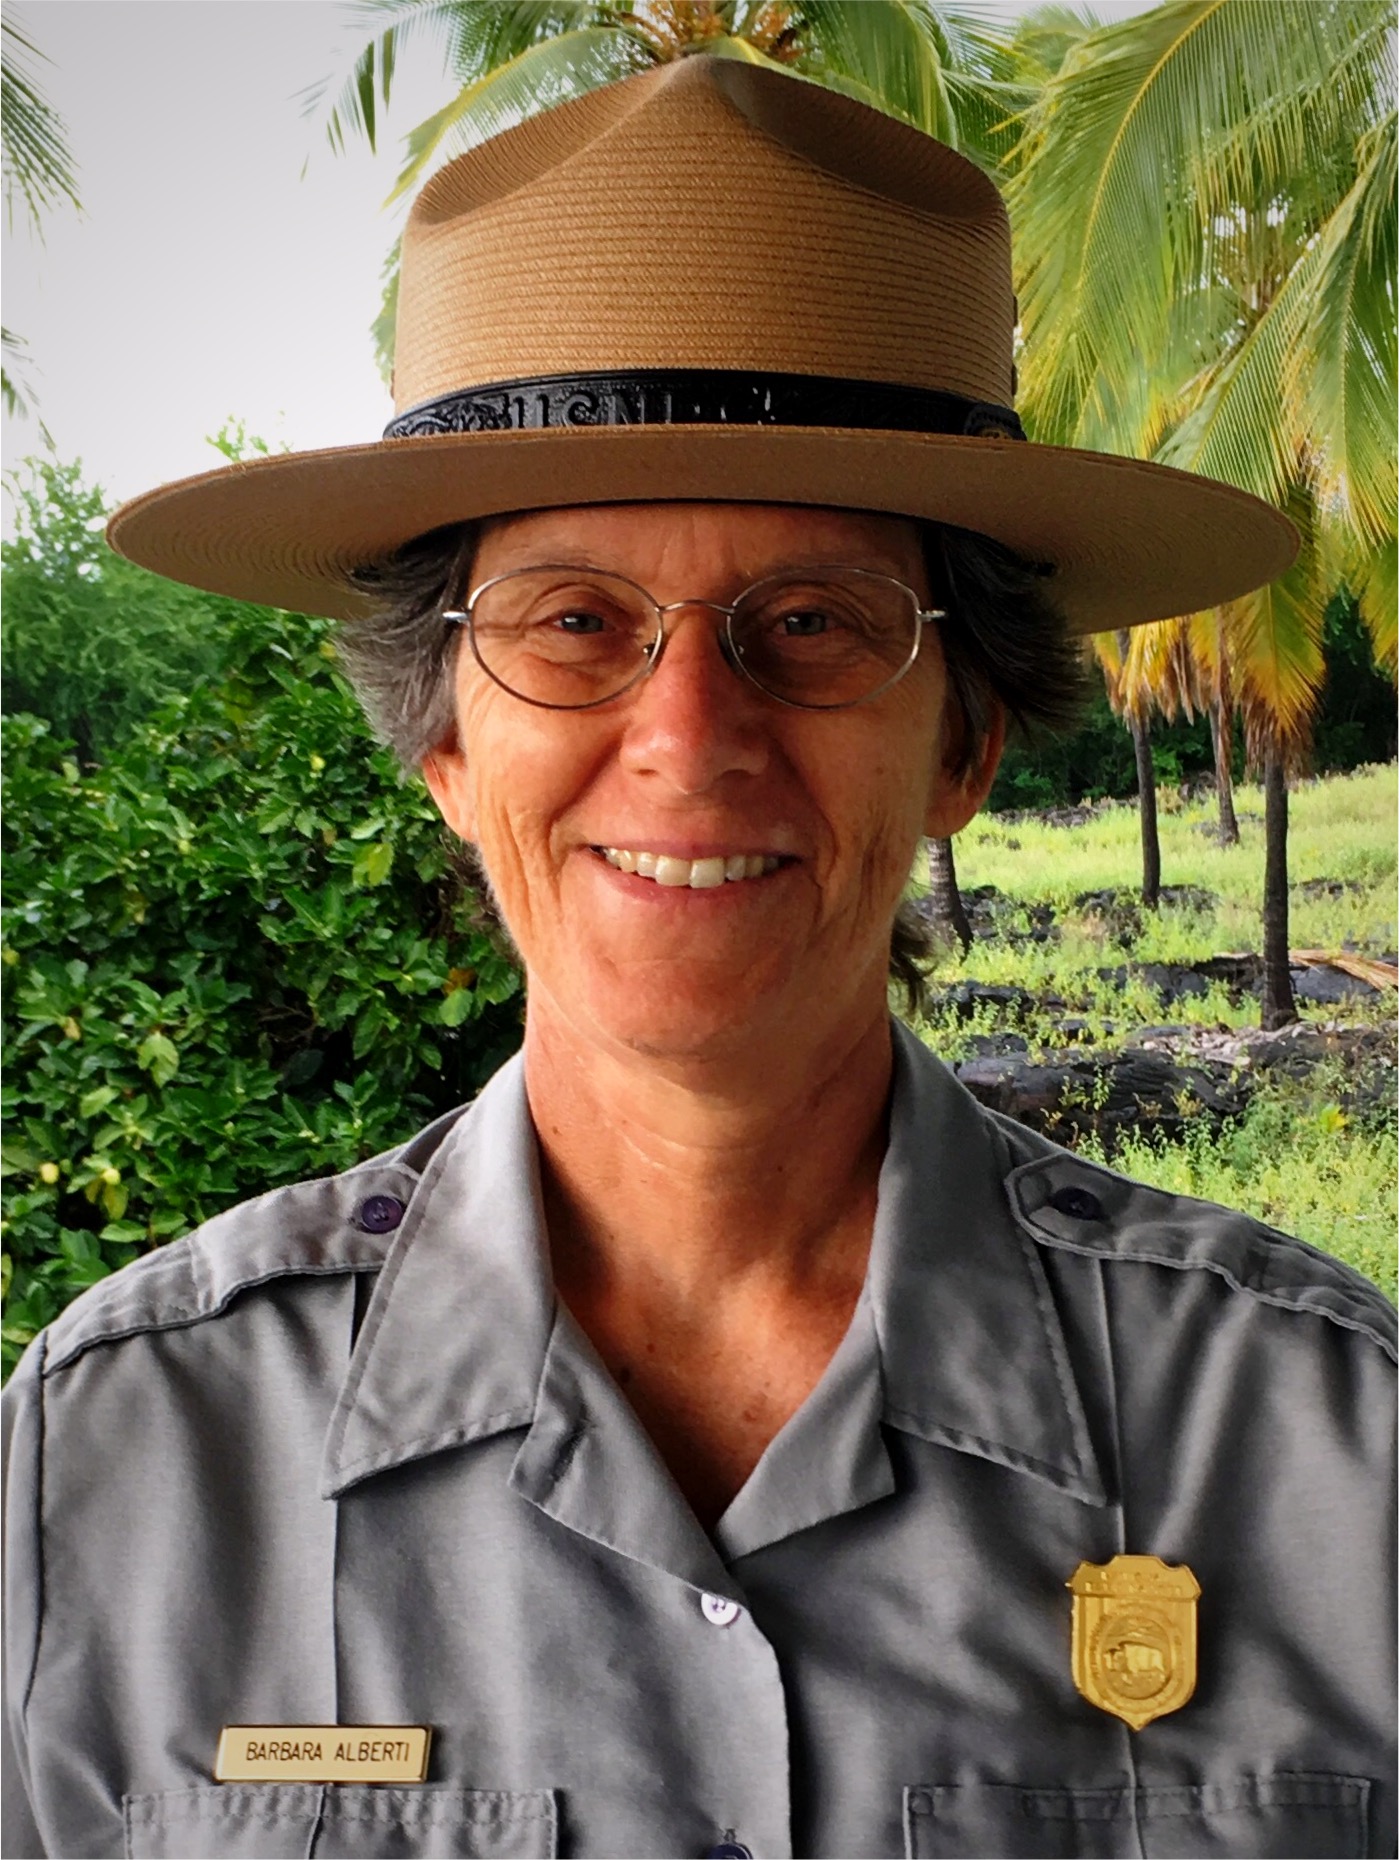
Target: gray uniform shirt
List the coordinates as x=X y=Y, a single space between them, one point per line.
x=294 y=1470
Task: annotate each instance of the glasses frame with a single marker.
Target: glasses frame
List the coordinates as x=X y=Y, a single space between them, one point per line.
x=654 y=651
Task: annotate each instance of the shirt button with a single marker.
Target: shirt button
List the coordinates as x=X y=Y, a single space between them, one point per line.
x=729 y=1849
x=380 y=1214
x=719 y=1611
x=1078 y=1203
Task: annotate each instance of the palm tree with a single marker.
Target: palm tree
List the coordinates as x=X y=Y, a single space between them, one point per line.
x=1205 y=208
x=37 y=167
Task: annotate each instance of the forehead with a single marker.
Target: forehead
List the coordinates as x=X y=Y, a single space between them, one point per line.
x=746 y=539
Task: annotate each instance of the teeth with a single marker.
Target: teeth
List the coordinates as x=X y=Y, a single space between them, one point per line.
x=696 y=874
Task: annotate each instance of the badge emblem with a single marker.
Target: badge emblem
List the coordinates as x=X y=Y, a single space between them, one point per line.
x=1134 y=1636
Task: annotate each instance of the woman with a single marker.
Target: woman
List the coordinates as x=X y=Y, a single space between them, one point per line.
x=723 y=1437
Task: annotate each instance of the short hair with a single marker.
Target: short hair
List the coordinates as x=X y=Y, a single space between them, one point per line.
x=1007 y=649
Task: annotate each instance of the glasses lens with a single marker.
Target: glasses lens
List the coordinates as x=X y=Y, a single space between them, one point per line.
x=828 y=639
x=565 y=637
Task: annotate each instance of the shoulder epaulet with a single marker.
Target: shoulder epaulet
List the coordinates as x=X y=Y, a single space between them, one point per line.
x=1078 y=1206
x=330 y=1225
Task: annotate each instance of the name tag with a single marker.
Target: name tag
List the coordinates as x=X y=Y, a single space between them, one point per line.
x=322 y=1753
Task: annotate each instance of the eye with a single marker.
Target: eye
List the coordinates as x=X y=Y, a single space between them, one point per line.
x=578 y=621
x=804 y=623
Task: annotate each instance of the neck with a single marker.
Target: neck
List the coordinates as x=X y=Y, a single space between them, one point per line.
x=675 y=1181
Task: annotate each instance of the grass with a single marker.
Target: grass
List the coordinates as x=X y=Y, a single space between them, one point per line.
x=1301 y=1157
x=1295 y=1161
x=1340 y=827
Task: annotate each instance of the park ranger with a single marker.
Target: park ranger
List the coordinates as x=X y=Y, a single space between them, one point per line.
x=724 y=1437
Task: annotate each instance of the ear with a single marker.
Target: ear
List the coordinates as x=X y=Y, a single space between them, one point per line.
x=445 y=772
x=956 y=798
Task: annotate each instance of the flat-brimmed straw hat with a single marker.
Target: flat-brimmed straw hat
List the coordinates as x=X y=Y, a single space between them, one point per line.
x=710 y=282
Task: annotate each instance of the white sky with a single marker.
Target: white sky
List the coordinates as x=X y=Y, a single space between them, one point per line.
x=206 y=277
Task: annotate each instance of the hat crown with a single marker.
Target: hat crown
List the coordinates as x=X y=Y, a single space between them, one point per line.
x=708 y=215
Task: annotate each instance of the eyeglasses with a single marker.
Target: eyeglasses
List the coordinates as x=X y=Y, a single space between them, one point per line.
x=569 y=638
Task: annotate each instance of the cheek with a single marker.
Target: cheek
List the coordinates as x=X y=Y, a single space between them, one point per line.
x=879 y=810
x=523 y=770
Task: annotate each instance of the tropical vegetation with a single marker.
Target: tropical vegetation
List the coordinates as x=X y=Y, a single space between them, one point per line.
x=1204 y=199
x=234 y=954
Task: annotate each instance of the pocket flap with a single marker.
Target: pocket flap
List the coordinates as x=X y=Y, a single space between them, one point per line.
x=327 y=1821
x=1273 y=1817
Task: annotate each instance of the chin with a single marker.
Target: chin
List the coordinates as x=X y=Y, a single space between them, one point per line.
x=680 y=1017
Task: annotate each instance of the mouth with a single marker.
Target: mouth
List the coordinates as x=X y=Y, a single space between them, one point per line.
x=705 y=874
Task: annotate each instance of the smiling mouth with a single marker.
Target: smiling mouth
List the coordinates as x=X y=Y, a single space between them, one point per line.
x=697 y=874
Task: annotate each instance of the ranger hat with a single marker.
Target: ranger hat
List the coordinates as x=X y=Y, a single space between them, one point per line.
x=710 y=282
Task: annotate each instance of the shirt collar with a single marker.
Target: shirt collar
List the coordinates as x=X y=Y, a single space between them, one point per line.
x=972 y=1349
x=454 y=1337
x=463 y=1339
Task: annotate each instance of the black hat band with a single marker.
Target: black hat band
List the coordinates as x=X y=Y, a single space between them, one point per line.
x=703 y=397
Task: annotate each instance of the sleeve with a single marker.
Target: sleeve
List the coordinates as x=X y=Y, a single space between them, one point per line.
x=21 y=1416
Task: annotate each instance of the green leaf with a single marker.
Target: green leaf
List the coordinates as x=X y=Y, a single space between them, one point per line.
x=457 y=1008
x=159 y=1056
x=373 y=863
x=99 y=1098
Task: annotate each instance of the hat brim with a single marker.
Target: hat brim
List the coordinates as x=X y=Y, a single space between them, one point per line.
x=1128 y=541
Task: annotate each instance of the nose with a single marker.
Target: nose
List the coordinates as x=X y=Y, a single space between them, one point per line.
x=693 y=720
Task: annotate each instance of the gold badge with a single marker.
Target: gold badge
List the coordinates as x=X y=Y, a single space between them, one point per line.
x=1134 y=1636
x=322 y=1753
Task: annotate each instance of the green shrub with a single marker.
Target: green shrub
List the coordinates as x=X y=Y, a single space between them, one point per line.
x=91 y=643
x=234 y=955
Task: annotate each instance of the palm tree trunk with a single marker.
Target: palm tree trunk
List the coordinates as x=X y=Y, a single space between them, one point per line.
x=1146 y=799
x=1279 y=1004
x=945 y=900
x=1146 y=803
x=1221 y=736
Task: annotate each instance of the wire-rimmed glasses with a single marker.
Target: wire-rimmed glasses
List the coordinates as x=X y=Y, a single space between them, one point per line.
x=567 y=637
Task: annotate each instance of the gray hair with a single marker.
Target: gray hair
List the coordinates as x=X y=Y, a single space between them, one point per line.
x=1007 y=650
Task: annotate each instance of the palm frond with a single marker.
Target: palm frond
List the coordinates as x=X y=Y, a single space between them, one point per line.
x=1377 y=589
x=472 y=38
x=1343 y=362
x=1150 y=131
x=1243 y=425
x=534 y=80
x=1275 y=648
x=38 y=167
x=1160 y=671
x=892 y=49
x=16 y=394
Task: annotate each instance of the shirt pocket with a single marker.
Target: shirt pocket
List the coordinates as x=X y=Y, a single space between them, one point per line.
x=1274 y=1817
x=331 y=1821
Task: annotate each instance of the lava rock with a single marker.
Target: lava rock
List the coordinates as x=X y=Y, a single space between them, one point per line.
x=1107 y=1094
x=1326 y=887
x=1240 y=974
x=994 y=1045
x=1330 y=985
x=1171 y=981
x=1004 y=999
